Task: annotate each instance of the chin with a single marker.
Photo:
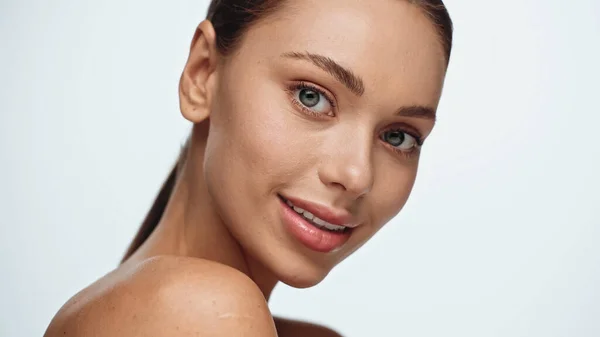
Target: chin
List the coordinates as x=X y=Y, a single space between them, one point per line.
x=302 y=273
x=294 y=264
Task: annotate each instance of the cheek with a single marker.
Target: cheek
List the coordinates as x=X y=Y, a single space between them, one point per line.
x=390 y=192
x=253 y=146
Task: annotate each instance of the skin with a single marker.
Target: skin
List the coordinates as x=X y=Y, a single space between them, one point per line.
x=221 y=247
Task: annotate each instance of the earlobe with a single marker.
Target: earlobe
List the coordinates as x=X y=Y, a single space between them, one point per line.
x=197 y=84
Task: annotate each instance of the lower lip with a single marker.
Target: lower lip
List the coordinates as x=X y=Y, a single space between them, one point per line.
x=317 y=239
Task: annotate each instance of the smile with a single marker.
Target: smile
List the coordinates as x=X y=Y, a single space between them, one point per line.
x=319 y=223
x=317 y=227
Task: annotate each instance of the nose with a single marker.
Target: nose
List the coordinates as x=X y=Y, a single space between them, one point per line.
x=347 y=165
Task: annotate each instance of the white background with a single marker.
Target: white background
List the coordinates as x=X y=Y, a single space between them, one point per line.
x=500 y=238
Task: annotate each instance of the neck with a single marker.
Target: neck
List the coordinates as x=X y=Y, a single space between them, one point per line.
x=191 y=226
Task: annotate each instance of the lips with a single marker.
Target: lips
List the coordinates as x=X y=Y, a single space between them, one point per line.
x=332 y=216
x=316 y=236
x=315 y=220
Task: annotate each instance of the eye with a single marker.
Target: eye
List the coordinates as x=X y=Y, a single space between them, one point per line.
x=309 y=98
x=401 y=141
x=312 y=100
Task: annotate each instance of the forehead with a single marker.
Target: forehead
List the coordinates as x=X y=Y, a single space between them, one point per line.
x=391 y=44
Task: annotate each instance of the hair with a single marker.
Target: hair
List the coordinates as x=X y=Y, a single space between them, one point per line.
x=231 y=19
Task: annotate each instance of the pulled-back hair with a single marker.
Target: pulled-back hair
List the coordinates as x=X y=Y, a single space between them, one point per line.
x=231 y=19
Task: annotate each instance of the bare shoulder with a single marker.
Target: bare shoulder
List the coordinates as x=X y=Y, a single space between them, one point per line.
x=292 y=328
x=167 y=296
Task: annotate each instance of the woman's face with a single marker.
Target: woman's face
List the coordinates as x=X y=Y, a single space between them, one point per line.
x=324 y=106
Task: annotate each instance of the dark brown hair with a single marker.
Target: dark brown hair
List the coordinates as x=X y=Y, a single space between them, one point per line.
x=231 y=18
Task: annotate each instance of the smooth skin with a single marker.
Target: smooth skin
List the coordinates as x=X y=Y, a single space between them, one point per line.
x=221 y=247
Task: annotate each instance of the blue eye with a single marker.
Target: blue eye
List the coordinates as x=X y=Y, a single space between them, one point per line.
x=309 y=98
x=400 y=140
x=313 y=100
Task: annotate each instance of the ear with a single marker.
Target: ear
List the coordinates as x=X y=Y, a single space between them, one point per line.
x=197 y=84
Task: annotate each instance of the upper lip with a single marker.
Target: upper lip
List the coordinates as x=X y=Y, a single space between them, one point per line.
x=339 y=217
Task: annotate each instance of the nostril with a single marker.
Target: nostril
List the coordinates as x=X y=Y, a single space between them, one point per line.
x=339 y=185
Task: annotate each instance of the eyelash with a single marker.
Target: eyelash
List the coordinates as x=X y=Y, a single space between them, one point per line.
x=305 y=85
x=406 y=154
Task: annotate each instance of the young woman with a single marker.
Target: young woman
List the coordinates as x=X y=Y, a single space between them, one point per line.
x=308 y=117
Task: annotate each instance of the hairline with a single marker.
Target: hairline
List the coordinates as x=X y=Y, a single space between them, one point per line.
x=271 y=8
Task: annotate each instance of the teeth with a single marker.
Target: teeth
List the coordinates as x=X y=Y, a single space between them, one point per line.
x=298 y=209
x=328 y=225
x=316 y=221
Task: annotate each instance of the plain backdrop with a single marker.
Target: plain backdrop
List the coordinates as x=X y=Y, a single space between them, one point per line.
x=500 y=237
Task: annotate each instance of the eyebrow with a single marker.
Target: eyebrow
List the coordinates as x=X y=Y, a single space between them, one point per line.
x=345 y=76
x=355 y=84
x=417 y=111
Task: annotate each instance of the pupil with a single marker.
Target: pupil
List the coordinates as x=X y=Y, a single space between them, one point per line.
x=395 y=138
x=309 y=97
